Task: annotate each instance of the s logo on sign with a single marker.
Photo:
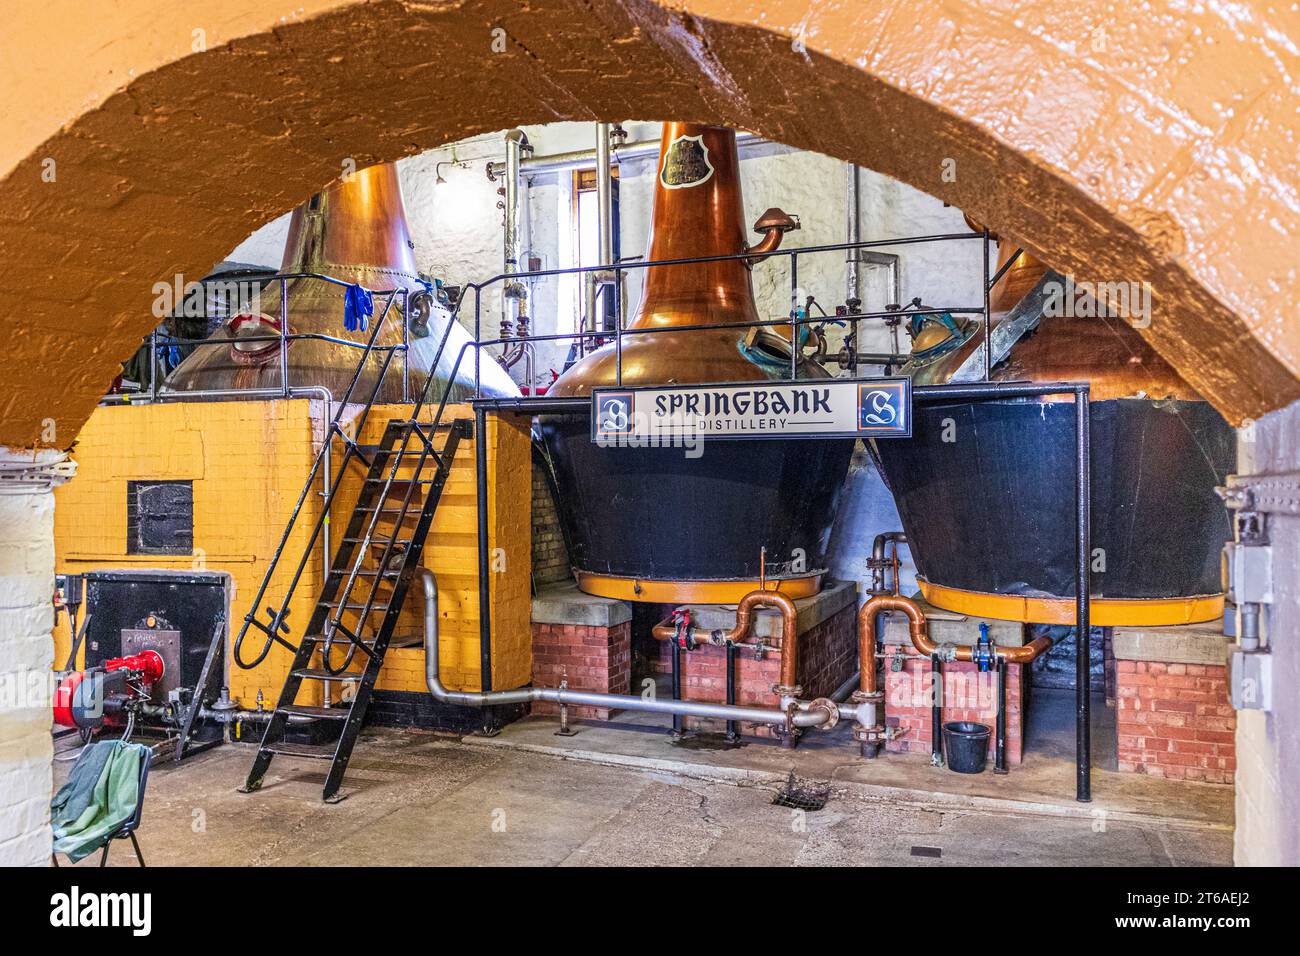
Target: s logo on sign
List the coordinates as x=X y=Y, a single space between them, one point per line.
x=878 y=409
x=883 y=409
x=614 y=414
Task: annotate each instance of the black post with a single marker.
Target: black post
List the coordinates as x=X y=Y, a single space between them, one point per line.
x=794 y=317
x=1083 y=629
x=731 y=688
x=484 y=560
x=617 y=294
x=1000 y=748
x=677 y=686
x=936 y=712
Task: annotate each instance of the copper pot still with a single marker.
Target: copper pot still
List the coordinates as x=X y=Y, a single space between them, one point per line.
x=985 y=490
x=356 y=231
x=654 y=524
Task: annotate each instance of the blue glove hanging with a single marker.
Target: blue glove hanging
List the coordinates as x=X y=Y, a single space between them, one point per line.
x=358 y=306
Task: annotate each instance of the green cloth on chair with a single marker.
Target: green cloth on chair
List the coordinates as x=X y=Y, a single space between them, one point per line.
x=101 y=794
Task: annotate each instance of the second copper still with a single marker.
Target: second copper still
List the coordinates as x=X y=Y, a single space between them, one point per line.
x=657 y=524
x=355 y=231
x=985 y=490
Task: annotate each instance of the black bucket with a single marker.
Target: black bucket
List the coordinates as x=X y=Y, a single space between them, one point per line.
x=967 y=745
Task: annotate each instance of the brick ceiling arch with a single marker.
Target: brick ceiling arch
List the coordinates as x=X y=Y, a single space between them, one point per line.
x=1158 y=148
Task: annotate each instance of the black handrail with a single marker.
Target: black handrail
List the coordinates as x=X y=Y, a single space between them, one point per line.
x=334 y=621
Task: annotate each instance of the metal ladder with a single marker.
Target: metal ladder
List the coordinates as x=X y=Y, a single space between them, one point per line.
x=383 y=560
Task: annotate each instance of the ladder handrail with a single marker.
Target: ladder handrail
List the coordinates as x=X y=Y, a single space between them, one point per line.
x=277 y=623
x=277 y=619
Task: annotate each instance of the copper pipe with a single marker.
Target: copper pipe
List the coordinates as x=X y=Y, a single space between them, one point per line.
x=751 y=602
x=919 y=631
x=772 y=226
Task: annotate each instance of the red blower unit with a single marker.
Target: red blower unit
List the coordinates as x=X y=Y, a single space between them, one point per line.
x=85 y=699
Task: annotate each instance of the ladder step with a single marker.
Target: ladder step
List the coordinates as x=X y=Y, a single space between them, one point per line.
x=351 y=606
x=342 y=640
x=388 y=575
x=411 y=513
x=319 y=751
x=312 y=673
x=323 y=713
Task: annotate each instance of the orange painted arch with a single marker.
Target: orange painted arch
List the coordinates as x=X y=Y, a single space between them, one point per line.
x=146 y=140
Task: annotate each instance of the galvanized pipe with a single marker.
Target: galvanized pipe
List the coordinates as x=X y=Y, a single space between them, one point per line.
x=853 y=231
x=813 y=716
x=516 y=142
x=745 y=610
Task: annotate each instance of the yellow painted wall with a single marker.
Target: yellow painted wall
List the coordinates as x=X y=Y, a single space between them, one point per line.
x=451 y=551
x=248 y=462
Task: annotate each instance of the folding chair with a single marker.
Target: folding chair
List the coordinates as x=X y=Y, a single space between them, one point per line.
x=127 y=829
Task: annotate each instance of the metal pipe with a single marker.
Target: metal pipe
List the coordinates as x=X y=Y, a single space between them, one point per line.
x=918 y=630
x=1082 y=612
x=1000 y=748
x=812 y=716
x=853 y=232
x=936 y=711
x=677 y=687
x=484 y=564
x=232 y=715
x=745 y=612
x=878 y=562
x=514 y=293
x=732 y=733
x=558 y=162
x=604 y=196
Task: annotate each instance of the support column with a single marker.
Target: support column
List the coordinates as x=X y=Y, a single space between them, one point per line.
x=26 y=655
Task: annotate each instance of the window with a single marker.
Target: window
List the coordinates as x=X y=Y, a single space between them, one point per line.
x=586 y=228
x=159 y=517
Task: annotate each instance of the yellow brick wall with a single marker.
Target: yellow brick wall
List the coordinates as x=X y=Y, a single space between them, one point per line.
x=248 y=462
x=451 y=552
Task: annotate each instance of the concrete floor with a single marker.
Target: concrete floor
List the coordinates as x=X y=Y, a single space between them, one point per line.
x=610 y=796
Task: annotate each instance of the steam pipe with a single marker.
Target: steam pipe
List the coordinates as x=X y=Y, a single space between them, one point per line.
x=604 y=195
x=878 y=563
x=597 y=282
x=918 y=630
x=868 y=695
x=749 y=604
x=853 y=232
x=797 y=714
x=516 y=143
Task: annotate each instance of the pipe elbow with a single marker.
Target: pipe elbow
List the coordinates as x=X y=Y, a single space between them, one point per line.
x=772 y=226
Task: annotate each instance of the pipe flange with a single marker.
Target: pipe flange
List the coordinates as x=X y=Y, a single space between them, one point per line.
x=862 y=697
x=781 y=690
x=869 y=735
x=832 y=710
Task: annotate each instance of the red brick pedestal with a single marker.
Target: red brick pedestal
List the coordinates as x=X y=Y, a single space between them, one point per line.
x=967 y=695
x=828 y=656
x=585 y=640
x=1173 y=718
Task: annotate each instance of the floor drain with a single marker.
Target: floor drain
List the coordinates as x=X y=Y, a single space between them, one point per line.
x=932 y=851
x=802 y=794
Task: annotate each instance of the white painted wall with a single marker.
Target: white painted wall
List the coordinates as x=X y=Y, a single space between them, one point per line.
x=457 y=230
x=1268 y=743
x=26 y=656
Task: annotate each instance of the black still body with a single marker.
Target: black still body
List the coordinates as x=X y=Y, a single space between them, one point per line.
x=985 y=491
x=677 y=514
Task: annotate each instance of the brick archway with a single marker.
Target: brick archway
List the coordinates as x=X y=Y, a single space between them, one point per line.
x=1155 y=150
